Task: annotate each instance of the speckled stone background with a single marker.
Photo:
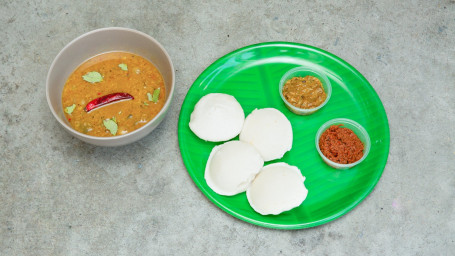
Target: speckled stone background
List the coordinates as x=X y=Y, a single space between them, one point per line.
x=59 y=196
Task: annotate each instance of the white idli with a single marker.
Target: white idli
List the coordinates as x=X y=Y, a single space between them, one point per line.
x=217 y=117
x=231 y=167
x=269 y=131
x=277 y=188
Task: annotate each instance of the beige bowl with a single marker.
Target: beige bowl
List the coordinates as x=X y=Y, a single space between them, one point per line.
x=101 y=41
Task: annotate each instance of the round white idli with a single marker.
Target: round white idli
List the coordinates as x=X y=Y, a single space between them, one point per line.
x=269 y=131
x=217 y=117
x=231 y=167
x=277 y=188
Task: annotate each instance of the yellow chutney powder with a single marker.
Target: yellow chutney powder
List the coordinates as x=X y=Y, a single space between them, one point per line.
x=304 y=92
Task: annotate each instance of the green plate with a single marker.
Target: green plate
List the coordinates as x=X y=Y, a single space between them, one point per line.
x=252 y=74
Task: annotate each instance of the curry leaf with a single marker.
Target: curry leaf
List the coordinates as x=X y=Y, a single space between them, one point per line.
x=149 y=96
x=70 y=109
x=93 y=77
x=156 y=94
x=123 y=66
x=111 y=125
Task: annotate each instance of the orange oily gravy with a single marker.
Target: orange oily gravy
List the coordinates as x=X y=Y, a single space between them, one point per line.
x=108 y=74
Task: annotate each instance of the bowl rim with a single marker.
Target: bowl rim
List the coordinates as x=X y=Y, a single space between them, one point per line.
x=316 y=71
x=129 y=134
x=364 y=133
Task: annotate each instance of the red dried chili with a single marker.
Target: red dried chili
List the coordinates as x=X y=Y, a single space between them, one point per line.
x=106 y=99
x=341 y=145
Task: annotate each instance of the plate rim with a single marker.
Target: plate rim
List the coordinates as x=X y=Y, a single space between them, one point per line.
x=274 y=225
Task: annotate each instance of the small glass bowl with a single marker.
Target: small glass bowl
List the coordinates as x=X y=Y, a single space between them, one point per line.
x=357 y=129
x=302 y=72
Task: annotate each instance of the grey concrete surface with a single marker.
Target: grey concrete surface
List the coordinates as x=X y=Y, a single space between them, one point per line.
x=60 y=196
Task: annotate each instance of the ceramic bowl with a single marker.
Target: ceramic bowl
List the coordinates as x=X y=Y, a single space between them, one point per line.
x=102 y=41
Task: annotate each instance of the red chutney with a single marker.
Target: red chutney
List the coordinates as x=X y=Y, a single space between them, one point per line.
x=341 y=145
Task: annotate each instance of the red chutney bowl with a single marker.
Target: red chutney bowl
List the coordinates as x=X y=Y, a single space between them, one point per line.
x=357 y=129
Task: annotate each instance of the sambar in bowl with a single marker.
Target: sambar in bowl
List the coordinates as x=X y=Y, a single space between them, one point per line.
x=111 y=86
